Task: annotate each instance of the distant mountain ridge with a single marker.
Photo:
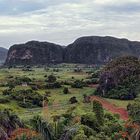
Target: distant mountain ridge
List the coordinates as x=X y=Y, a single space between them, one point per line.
x=3 y=54
x=85 y=50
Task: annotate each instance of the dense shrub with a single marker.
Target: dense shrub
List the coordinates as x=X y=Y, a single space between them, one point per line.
x=20 y=80
x=73 y=100
x=134 y=111
x=96 y=74
x=7 y=92
x=65 y=90
x=90 y=120
x=120 y=79
x=4 y=100
x=28 y=98
x=53 y=85
x=92 y=81
x=99 y=112
x=78 y=84
x=51 y=79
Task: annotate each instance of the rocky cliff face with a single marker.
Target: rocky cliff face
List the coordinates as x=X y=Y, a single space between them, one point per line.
x=3 y=54
x=34 y=53
x=88 y=50
x=98 y=50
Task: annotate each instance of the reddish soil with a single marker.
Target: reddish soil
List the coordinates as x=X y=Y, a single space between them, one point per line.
x=111 y=107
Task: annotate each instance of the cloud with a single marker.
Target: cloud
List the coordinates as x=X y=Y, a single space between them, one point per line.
x=62 y=21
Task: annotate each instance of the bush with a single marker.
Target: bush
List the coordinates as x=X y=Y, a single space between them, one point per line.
x=65 y=90
x=28 y=98
x=51 y=79
x=26 y=105
x=53 y=85
x=99 y=112
x=120 y=79
x=96 y=74
x=20 y=80
x=134 y=111
x=90 y=120
x=73 y=100
x=77 y=84
x=7 y=92
x=4 y=101
x=34 y=87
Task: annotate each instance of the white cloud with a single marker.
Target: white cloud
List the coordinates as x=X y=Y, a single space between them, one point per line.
x=65 y=21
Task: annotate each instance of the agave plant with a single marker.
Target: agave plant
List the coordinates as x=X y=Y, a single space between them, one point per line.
x=8 y=123
x=135 y=135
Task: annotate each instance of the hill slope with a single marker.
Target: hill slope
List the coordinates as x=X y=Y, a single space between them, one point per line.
x=98 y=50
x=34 y=53
x=88 y=50
x=3 y=54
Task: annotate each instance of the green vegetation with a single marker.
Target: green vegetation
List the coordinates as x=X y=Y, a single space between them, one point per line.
x=120 y=79
x=55 y=103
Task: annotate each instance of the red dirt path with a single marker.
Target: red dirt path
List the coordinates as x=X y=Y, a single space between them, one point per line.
x=112 y=108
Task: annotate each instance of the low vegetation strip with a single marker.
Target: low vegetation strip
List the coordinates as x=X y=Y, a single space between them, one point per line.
x=112 y=108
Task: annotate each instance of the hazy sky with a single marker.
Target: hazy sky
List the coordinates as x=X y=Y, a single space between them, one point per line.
x=62 y=21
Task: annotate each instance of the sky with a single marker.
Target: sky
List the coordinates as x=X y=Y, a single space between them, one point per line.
x=63 y=21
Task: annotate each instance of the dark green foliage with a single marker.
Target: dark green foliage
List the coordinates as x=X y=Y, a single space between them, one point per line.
x=120 y=79
x=27 y=98
x=134 y=111
x=65 y=90
x=4 y=100
x=20 y=80
x=92 y=81
x=51 y=79
x=53 y=85
x=77 y=84
x=96 y=74
x=91 y=121
x=99 y=112
x=73 y=100
x=7 y=92
x=11 y=85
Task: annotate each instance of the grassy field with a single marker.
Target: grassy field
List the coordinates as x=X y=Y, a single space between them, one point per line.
x=58 y=101
x=120 y=103
x=57 y=96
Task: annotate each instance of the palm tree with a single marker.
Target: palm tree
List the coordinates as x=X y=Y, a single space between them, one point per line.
x=133 y=130
x=8 y=123
x=43 y=127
